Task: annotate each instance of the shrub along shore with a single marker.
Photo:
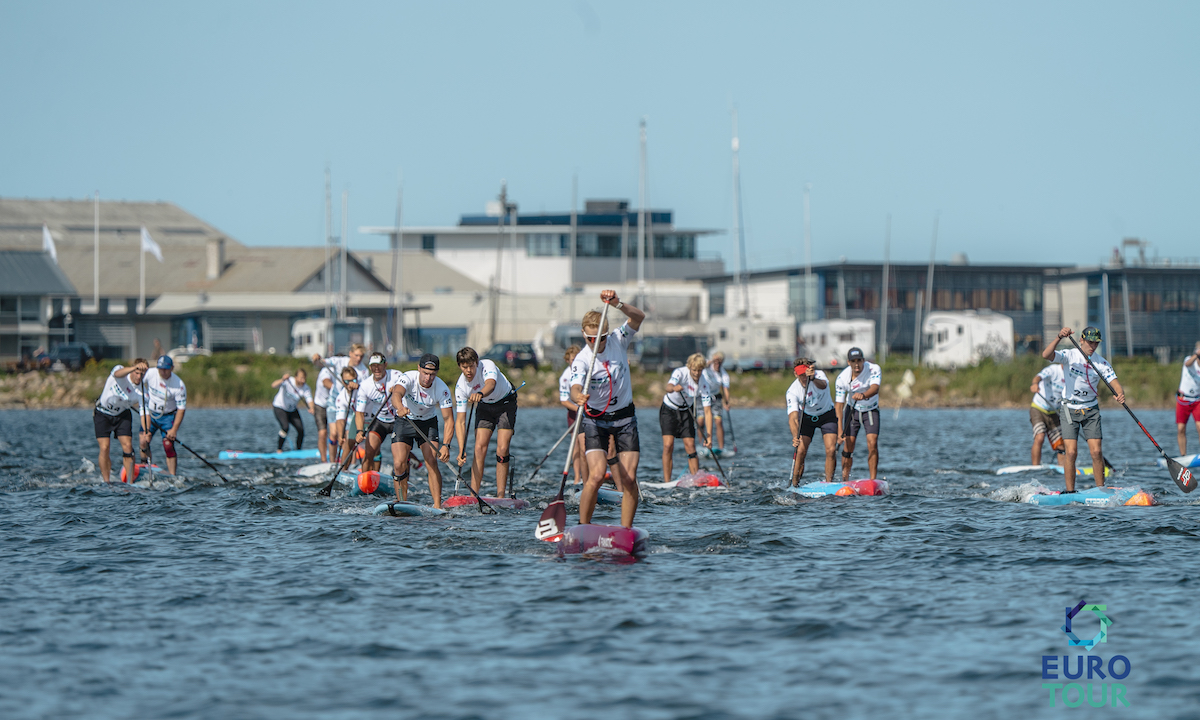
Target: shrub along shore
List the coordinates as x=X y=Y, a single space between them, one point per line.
x=244 y=380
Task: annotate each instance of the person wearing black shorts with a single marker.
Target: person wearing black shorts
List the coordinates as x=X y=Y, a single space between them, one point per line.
x=685 y=388
x=113 y=415
x=416 y=399
x=810 y=409
x=857 y=404
x=495 y=399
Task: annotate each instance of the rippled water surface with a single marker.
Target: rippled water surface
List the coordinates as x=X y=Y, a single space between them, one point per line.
x=257 y=598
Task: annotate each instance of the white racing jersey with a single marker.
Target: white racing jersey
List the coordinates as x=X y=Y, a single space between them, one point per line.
x=335 y=365
x=164 y=397
x=486 y=370
x=810 y=400
x=322 y=395
x=289 y=395
x=1050 y=389
x=564 y=385
x=342 y=404
x=847 y=386
x=1081 y=384
x=1189 y=382
x=422 y=402
x=611 y=388
x=372 y=393
x=119 y=395
x=683 y=399
x=716 y=379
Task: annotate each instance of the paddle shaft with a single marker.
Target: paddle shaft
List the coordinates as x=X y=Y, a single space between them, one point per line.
x=145 y=420
x=483 y=506
x=1114 y=392
x=462 y=452
x=550 y=452
x=210 y=465
x=328 y=489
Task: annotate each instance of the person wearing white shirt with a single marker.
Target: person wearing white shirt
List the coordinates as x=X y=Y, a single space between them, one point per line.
x=166 y=403
x=484 y=386
x=564 y=398
x=857 y=405
x=291 y=390
x=718 y=380
x=343 y=405
x=809 y=409
x=1047 y=389
x=374 y=406
x=608 y=411
x=113 y=415
x=417 y=397
x=323 y=397
x=676 y=417
x=1187 y=399
x=1080 y=409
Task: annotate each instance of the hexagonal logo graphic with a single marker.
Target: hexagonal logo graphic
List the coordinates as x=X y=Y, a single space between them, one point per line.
x=1101 y=637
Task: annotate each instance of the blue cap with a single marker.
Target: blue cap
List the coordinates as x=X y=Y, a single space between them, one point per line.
x=165 y=362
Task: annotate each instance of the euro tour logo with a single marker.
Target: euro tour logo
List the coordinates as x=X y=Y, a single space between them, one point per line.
x=1095 y=692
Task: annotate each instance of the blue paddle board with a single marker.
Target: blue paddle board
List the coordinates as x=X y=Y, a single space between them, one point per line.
x=1188 y=461
x=285 y=455
x=1103 y=496
x=609 y=496
x=410 y=509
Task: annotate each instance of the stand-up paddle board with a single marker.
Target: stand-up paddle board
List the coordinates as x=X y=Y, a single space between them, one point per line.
x=285 y=455
x=455 y=501
x=603 y=539
x=609 y=496
x=706 y=452
x=854 y=487
x=700 y=479
x=137 y=471
x=1103 y=496
x=317 y=469
x=1079 y=471
x=410 y=509
x=1188 y=461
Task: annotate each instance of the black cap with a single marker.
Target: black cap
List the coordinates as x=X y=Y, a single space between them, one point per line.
x=429 y=361
x=855 y=354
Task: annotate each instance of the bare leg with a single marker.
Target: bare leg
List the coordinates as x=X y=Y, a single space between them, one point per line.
x=581 y=470
x=591 y=486
x=323 y=444
x=801 y=455
x=1035 y=457
x=399 y=465
x=628 y=477
x=1070 y=453
x=1181 y=436
x=127 y=448
x=830 y=440
x=689 y=445
x=848 y=462
x=719 y=427
x=503 y=441
x=105 y=461
x=668 y=460
x=435 y=473
x=1094 y=446
x=482 y=438
x=873 y=455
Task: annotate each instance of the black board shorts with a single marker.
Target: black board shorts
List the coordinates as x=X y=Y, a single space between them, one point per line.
x=381 y=428
x=321 y=416
x=500 y=415
x=867 y=420
x=110 y=425
x=404 y=432
x=675 y=422
x=620 y=425
x=826 y=423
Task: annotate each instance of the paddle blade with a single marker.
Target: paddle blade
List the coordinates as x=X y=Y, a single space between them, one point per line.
x=553 y=521
x=1182 y=476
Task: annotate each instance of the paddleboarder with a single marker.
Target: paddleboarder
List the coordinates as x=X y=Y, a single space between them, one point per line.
x=113 y=414
x=166 y=403
x=1047 y=389
x=1187 y=399
x=373 y=396
x=353 y=358
x=675 y=416
x=858 y=387
x=417 y=397
x=291 y=390
x=608 y=406
x=342 y=407
x=1080 y=409
x=324 y=396
x=810 y=408
x=481 y=383
x=564 y=397
x=718 y=380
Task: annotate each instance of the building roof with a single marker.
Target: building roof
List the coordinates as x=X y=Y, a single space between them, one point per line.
x=422 y=273
x=27 y=272
x=776 y=273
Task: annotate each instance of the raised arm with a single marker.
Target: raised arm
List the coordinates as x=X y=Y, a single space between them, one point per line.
x=1048 y=351
x=635 y=316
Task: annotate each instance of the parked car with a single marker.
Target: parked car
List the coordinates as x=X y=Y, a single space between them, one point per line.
x=70 y=356
x=514 y=355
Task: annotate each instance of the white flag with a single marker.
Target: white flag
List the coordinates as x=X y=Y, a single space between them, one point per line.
x=48 y=243
x=148 y=244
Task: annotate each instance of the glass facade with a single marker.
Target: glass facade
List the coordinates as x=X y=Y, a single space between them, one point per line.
x=547 y=244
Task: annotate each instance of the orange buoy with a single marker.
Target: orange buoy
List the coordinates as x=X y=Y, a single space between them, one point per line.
x=844 y=491
x=368 y=482
x=360 y=452
x=1142 y=498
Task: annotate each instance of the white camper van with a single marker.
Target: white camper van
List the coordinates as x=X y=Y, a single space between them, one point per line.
x=329 y=337
x=828 y=341
x=753 y=344
x=959 y=339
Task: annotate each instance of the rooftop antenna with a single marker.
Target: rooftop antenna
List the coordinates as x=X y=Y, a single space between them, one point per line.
x=345 y=299
x=808 y=273
x=328 y=269
x=743 y=277
x=928 y=291
x=399 y=347
x=96 y=258
x=883 y=320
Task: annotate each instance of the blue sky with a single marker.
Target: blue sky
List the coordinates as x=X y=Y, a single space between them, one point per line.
x=1041 y=132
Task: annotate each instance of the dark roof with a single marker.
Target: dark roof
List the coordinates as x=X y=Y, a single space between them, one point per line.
x=24 y=272
x=583 y=219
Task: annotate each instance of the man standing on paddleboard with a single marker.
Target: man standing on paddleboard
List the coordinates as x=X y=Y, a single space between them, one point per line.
x=483 y=385
x=675 y=416
x=810 y=408
x=608 y=407
x=417 y=396
x=1187 y=399
x=113 y=415
x=342 y=407
x=718 y=380
x=858 y=387
x=373 y=397
x=166 y=402
x=1080 y=410
x=1047 y=389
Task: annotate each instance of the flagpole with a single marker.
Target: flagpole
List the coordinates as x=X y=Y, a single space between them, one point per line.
x=142 y=293
x=96 y=257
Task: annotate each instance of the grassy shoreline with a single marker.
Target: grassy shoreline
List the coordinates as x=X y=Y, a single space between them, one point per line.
x=244 y=380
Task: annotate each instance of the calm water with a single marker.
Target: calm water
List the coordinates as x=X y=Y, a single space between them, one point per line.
x=258 y=599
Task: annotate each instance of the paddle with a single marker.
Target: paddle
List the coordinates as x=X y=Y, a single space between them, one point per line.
x=547 y=455
x=483 y=506
x=795 y=464
x=218 y=472
x=466 y=434
x=554 y=519
x=1181 y=475
x=145 y=420
x=512 y=468
x=704 y=434
x=732 y=439
x=328 y=489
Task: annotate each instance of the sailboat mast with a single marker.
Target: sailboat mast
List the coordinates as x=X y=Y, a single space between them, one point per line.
x=641 y=266
x=743 y=277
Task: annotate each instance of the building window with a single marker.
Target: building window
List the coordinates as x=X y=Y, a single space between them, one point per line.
x=716 y=299
x=31 y=309
x=8 y=311
x=429 y=243
x=594 y=245
x=675 y=246
x=547 y=244
x=773 y=333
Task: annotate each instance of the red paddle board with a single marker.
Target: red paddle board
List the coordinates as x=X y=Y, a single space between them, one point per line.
x=506 y=503
x=603 y=539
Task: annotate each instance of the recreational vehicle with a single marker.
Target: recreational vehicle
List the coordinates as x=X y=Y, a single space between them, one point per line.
x=751 y=344
x=329 y=337
x=828 y=341
x=960 y=339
